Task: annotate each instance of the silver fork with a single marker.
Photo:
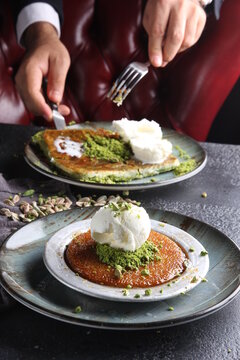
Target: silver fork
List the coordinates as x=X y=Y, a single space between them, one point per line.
x=127 y=80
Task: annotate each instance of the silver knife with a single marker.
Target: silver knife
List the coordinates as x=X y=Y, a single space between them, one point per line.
x=58 y=119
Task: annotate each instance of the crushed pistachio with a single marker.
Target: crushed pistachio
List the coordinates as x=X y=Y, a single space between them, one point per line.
x=137 y=296
x=118 y=271
x=185 y=167
x=194 y=279
x=182 y=153
x=148 y=292
x=119 y=207
x=161 y=291
x=71 y=123
x=129 y=286
x=171 y=308
x=168 y=284
x=128 y=260
x=182 y=293
x=191 y=249
x=204 y=280
x=118 y=99
x=125 y=193
x=161 y=224
x=78 y=309
x=106 y=148
x=203 y=253
x=204 y=194
x=125 y=292
x=157 y=258
x=153 y=180
x=145 y=272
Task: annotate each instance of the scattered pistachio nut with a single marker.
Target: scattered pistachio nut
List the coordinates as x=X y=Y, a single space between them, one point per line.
x=8 y=202
x=16 y=199
x=204 y=194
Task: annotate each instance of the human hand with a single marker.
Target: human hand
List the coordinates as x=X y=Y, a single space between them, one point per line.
x=172 y=26
x=45 y=56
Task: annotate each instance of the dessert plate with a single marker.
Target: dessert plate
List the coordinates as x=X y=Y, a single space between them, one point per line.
x=196 y=270
x=25 y=277
x=192 y=148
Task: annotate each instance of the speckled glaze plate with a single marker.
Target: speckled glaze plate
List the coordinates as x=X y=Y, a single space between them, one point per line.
x=192 y=147
x=197 y=269
x=24 y=276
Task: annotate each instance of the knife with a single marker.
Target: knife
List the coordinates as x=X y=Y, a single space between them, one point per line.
x=58 y=119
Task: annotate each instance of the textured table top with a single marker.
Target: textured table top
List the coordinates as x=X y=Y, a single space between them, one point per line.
x=25 y=334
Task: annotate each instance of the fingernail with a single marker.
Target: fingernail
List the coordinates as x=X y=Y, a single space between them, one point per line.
x=164 y=63
x=157 y=61
x=55 y=96
x=47 y=118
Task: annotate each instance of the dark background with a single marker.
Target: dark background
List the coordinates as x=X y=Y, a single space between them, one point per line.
x=226 y=126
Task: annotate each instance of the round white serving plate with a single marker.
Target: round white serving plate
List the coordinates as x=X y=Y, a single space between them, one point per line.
x=55 y=262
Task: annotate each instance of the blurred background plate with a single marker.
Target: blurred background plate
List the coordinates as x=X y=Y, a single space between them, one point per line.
x=24 y=276
x=192 y=148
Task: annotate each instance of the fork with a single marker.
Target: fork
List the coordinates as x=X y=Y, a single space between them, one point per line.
x=127 y=80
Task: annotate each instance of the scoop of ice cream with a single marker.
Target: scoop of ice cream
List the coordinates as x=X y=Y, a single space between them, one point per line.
x=145 y=138
x=129 y=129
x=121 y=225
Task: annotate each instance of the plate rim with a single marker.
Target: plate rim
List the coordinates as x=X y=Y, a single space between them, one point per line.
x=64 y=279
x=130 y=327
x=121 y=186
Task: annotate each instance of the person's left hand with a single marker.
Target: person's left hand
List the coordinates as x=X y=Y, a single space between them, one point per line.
x=172 y=26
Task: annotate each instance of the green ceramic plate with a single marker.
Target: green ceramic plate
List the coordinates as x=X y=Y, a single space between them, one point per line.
x=24 y=275
x=193 y=149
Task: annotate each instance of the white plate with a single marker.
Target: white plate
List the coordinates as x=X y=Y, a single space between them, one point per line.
x=55 y=263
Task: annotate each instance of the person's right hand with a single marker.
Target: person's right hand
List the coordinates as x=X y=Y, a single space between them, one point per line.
x=46 y=56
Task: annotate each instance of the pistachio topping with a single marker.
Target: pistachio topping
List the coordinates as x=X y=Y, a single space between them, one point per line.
x=194 y=279
x=185 y=167
x=125 y=292
x=78 y=309
x=203 y=253
x=145 y=272
x=148 y=292
x=127 y=260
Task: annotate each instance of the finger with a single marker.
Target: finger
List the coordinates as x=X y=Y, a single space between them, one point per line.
x=190 y=32
x=58 y=68
x=200 y=26
x=64 y=110
x=175 y=34
x=31 y=92
x=156 y=35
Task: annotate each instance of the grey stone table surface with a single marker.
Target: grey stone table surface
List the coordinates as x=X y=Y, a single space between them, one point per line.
x=25 y=334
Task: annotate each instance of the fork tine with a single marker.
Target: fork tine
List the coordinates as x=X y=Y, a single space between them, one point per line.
x=131 y=86
x=130 y=75
x=120 y=77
